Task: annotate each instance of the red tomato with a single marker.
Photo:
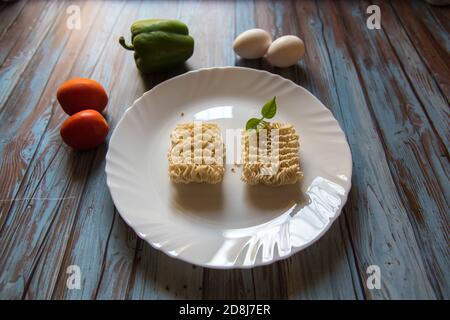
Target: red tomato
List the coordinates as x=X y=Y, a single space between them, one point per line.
x=80 y=94
x=84 y=130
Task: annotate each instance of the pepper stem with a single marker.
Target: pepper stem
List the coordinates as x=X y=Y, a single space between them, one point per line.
x=123 y=44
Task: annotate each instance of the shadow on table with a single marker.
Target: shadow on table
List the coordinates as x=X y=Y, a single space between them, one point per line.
x=295 y=73
x=152 y=79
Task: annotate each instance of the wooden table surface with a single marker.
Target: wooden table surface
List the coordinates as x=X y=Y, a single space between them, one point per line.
x=388 y=88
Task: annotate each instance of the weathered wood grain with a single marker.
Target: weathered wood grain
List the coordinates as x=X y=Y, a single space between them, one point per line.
x=437 y=27
x=15 y=111
x=8 y=15
x=135 y=254
x=43 y=194
x=388 y=89
x=433 y=52
x=378 y=221
x=434 y=104
x=20 y=106
x=121 y=250
x=122 y=94
x=441 y=15
x=54 y=259
x=317 y=76
x=96 y=208
x=21 y=45
x=20 y=21
x=415 y=152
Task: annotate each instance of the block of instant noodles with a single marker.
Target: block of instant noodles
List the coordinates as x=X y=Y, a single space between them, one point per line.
x=196 y=153
x=271 y=155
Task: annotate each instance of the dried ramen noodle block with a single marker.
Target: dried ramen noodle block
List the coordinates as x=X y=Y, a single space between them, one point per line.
x=196 y=153
x=263 y=163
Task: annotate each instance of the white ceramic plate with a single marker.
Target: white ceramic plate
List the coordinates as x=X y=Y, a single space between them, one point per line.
x=228 y=225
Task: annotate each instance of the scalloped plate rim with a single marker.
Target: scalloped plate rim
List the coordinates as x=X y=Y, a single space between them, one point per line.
x=294 y=249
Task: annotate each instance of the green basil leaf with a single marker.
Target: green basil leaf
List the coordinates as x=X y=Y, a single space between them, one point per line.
x=252 y=123
x=269 y=109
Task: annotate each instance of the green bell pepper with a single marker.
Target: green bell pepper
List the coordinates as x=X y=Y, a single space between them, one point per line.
x=159 y=44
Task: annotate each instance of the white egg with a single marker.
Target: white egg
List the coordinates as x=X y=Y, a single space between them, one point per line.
x=252 y=44
x=285 y=51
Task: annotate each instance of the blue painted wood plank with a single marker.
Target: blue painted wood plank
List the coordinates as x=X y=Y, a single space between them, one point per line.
x=95 y=209
x=103 y=282
x=19 y=47
x=433 y=52
x=377 y=218
x=117 y=250
x=118 y=262
x=435 y=105
x=19 y=107
x=420 y=171
x=230 y=284
x=44 y=194
x=439 y=29
x=143 y=278
x=158 y=276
